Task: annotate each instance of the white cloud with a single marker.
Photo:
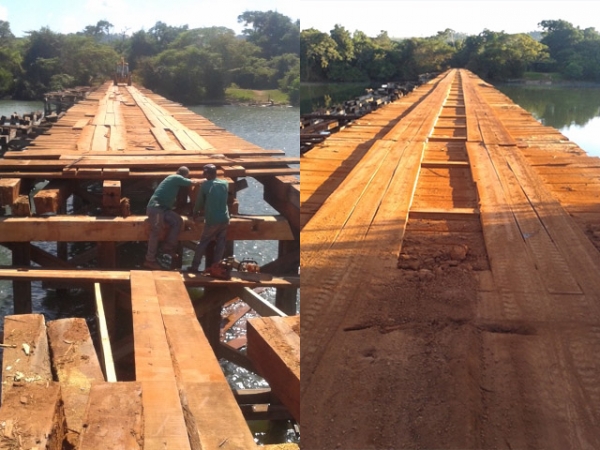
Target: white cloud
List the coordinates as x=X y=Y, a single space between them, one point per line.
x=3 y=13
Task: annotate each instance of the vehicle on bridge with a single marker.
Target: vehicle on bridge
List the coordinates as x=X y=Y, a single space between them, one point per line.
x=122 y=73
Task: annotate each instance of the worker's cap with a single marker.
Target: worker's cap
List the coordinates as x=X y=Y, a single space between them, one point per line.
x=183 y=171
x=210 y=168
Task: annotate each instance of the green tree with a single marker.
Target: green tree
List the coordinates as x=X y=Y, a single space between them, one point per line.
x=317 y=51
x=274 y=33
x=98 y=31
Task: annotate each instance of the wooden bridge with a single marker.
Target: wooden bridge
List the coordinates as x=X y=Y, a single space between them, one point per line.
x=450 y=271
x=152 y=380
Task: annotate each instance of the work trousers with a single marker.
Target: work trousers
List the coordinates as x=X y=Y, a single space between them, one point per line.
x=159 y=217
x=217 y=233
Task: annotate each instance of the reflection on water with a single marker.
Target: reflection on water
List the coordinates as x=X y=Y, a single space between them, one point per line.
x=574 y=111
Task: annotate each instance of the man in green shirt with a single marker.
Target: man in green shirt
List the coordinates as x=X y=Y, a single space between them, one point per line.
x=160 y=212
x=212 y=200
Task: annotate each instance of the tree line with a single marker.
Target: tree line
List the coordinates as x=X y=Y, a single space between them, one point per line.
x=495 y=56
x=190 y=66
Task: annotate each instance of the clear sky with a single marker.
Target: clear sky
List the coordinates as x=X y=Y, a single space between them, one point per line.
x=70 y=16
x=423 y=18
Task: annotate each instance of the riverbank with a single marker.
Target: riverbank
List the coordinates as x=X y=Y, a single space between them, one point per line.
x=252 y=97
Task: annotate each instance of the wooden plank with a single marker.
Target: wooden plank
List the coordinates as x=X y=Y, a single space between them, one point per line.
x=117 y=140
x=28 y=362
x=9 y=190
x=100 y=139
x=76 y=366
x=67 y=276
x=81 y=123
x=133 y=228
x=274 y=348
x=261 y=305
x=163 y=139
x=106 y=351
x=31 y=417
x=114 y=418
x=216 y=418
x=164 y=424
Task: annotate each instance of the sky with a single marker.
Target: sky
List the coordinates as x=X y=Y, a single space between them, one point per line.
x=127 y=16
x=424 y=18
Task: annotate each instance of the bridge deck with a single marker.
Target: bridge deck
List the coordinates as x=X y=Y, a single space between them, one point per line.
x=450 y=281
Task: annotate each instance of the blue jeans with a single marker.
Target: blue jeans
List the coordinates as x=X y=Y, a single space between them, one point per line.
x=158 y=218
x=216 y=232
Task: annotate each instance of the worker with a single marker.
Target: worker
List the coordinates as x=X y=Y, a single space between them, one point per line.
x=160 y=212
x=212 y=202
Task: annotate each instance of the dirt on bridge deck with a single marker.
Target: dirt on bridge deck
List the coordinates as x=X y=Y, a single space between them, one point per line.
x=452 y=302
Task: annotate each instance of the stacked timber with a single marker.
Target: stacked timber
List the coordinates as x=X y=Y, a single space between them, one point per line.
x=317 y=126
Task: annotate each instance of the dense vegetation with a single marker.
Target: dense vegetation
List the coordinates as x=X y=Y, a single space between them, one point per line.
x=496 y=56
x=188 y=66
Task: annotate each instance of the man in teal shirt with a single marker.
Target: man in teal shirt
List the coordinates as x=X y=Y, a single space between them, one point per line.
x=212 y=200
x=160 y=212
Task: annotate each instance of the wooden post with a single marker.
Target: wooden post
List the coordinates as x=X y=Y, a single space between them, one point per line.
x=286 y=299
x=21 y=256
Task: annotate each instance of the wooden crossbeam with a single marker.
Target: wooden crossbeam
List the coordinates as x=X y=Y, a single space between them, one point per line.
x=133 y=228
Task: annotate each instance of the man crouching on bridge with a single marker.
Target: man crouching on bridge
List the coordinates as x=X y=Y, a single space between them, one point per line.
x=160 y=212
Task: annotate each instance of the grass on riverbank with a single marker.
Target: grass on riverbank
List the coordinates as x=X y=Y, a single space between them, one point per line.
x=539 y=76
x=237 y=95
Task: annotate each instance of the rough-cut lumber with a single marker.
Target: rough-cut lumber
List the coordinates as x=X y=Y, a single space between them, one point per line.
x=51 y=198
x=164 y=424
x=29 y=361
x=214 y=416
x=111 y=193
x=9 y=190
x=114 y=418
x=133 y=228
x=31 y=417
x=274 y=348
x=76 y=367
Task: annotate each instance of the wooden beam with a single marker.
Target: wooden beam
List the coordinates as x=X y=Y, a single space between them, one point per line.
x=274 y=348
x=76 y=366
x=51 y=198
x=114 y=417
x=9 y=190
x=111 y=194
x=132 y=228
